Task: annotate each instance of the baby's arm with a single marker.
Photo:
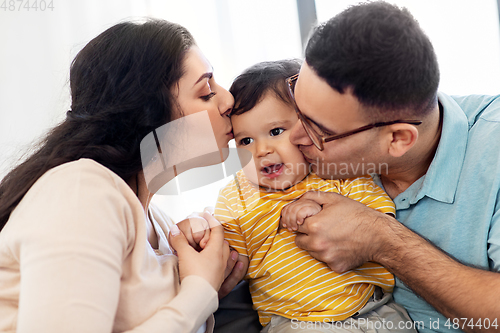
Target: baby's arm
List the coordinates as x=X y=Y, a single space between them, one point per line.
x=227 y=211
x=293 y=215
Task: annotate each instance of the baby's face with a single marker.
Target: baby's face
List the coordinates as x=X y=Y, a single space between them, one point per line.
x=265 y=131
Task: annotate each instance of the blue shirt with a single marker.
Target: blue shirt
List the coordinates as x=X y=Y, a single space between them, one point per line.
x=456 y=204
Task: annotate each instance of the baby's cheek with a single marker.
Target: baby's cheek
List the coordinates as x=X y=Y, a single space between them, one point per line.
x=251 y=173
x=301 y=169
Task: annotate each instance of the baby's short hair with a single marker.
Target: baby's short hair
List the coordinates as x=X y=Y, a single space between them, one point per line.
x=269 y=76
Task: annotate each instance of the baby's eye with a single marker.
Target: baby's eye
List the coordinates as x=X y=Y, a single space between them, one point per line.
x=276 y=131
x=246 y=141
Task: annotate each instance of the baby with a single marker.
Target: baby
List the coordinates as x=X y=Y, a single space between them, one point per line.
x=288 y=286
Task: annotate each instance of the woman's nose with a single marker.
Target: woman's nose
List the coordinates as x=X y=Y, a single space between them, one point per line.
x=226 y=102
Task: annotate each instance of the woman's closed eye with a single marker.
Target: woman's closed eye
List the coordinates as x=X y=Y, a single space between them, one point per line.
x=246 y=141
x=208 y=97
x=276 y=131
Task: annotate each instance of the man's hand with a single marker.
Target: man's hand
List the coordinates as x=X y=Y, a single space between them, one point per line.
x=236 y=269
x=344 y=235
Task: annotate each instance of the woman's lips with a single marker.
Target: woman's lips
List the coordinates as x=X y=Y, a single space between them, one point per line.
x=273 y=170
x=230 y=134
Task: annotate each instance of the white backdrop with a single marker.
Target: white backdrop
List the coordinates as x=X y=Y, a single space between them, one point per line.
x=465 y=35
x=36 y=48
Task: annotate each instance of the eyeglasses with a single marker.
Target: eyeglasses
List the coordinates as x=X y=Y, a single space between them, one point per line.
x=319 y=139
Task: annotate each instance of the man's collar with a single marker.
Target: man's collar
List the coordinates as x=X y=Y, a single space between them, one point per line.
x=441 y=180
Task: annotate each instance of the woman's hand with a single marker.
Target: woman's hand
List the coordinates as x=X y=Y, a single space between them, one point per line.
x=210 y=263
x=196 y=230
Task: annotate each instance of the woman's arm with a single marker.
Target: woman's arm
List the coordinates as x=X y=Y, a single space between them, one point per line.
x=78 y=229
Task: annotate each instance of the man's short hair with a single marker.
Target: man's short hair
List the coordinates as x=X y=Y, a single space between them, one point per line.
x=378 y=52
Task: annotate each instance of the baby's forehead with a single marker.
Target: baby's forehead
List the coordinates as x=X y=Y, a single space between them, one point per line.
x=242 y=121
x=268 y=103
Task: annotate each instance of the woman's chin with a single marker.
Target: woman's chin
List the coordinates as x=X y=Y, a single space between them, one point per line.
x=224 y=153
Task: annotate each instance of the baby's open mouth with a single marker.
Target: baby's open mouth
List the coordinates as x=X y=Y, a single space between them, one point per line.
x=273 y=170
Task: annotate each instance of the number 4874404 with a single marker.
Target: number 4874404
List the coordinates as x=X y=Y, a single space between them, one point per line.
x=26 y=5
x=461 y=323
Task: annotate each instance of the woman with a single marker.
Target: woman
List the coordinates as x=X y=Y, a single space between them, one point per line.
x=81 y=250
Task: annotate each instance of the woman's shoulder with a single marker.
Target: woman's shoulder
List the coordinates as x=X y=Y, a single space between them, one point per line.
x=81 y=182
x=84 y=172
x=76 y=199
x=83 y=166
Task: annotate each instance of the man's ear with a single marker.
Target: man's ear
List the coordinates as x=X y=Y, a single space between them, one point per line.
x=402 y=138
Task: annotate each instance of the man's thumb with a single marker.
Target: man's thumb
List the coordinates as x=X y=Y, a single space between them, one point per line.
x=321 y=198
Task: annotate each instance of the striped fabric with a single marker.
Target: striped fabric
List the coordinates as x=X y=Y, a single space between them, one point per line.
x=284 y=279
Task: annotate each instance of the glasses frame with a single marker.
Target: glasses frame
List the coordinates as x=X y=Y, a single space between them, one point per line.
x=318 y=139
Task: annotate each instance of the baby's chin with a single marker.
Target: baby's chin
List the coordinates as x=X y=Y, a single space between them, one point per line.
x=263 y=185
x=279 y=186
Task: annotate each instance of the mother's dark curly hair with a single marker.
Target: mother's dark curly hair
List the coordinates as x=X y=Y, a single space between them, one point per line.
x=121 y=90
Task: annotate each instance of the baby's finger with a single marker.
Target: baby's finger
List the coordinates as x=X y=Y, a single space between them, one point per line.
x=204 y=239
x=216 y=238
x=209 y=209
x=185 y=227
x=198 y=224
x=212 y=221
x=308 y=210
x=198 y=237
x=286 y=216
x=194 y=214
x=292 y=225
x=199 y=228
x=302 y=214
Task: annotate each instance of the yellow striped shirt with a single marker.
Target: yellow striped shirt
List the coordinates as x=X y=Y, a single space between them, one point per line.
x=284 y=279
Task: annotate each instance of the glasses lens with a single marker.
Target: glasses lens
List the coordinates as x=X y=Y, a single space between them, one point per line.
x=311 y=133
x=292 y=82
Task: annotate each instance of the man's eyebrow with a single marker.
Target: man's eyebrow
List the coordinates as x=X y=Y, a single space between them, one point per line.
x=207 y=75
x=321 y=127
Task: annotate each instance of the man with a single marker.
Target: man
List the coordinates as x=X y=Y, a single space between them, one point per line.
x=437 y=156
x=372 y=64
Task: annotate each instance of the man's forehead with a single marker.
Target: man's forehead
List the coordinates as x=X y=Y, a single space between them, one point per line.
x=324 y=105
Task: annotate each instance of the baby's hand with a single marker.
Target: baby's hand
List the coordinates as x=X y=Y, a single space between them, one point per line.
x=196 y=229
x=294 y=214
